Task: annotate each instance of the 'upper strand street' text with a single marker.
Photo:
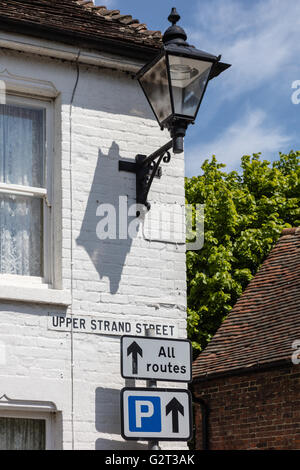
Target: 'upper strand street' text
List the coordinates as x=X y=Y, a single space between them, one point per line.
x=116 y=325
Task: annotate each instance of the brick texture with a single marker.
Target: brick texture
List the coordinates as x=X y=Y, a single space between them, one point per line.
x=258 y=410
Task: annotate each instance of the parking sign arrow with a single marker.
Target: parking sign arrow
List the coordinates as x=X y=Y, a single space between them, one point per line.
x=135 y=350
x=175 y=407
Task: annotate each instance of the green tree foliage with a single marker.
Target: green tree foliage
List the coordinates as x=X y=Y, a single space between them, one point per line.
x=244 y=216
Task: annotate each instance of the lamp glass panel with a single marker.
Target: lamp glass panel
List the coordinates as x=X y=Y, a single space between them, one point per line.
x=156 y=86
x=188 y=80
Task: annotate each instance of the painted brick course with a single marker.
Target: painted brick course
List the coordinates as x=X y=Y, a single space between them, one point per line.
x=136 y=279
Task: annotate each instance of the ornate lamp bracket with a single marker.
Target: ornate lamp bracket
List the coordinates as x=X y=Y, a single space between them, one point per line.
x=146 y=169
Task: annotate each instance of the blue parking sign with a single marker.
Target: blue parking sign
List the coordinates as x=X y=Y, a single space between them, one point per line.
x=153 y=413
x=144 y=414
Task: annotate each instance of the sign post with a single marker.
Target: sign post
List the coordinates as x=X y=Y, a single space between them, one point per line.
x=152 y=445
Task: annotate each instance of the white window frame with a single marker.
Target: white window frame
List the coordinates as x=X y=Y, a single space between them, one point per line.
x=49 y=441
x=45 y=193
x=46 y=411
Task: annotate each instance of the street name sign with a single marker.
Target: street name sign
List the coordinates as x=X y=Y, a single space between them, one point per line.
x=156 y=414
x=113 y=325
x=156 y=359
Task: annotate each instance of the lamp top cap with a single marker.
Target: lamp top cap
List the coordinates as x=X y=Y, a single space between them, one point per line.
x=174 y=34
x=173 y=16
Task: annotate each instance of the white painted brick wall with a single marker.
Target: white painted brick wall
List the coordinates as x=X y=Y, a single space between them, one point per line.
x=139 y=279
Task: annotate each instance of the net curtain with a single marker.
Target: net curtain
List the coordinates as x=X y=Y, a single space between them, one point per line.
x=21 y=163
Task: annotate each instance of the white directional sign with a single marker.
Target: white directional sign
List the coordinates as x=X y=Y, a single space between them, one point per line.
x=153 y=413
x=156 y=359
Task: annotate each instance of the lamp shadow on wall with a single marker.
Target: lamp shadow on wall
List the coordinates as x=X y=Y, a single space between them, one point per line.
x=100 y=230
x=108 y=421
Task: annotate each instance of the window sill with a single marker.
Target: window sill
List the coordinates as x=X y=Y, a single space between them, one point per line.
x=35 y=295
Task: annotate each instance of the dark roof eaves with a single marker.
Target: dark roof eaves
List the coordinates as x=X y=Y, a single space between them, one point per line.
x=259 y=367
x=110 y=45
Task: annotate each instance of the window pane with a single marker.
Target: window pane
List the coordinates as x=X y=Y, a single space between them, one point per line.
x=156 y=86
x=21 y=235
x=22 y=145
x=22 y=434
x=189 y=78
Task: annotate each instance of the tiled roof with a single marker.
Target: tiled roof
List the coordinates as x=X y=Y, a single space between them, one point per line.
x=125 y=20
x=79 y=18
x=265 y=321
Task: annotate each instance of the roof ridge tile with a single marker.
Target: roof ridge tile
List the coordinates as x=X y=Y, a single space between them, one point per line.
x=290 y=231
x=134 y=24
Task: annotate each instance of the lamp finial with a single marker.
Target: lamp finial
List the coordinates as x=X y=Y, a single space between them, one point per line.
x=174 y=34
x=174 y=16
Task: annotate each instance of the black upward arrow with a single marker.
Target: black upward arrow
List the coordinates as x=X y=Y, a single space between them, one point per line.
x=134 y=349
x=175 y=407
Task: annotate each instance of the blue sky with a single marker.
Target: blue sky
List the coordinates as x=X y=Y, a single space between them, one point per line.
x=249 y=108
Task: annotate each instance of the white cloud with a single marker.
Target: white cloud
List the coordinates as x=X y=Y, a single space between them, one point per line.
x=247 y=136
x=260 y=39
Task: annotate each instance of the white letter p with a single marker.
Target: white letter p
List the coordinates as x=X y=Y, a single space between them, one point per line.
x=140 y=413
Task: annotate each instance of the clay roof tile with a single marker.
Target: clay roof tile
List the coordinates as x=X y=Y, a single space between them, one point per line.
x=80 y=18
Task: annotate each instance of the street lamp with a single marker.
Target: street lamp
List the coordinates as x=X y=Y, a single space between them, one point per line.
x=174 y=83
